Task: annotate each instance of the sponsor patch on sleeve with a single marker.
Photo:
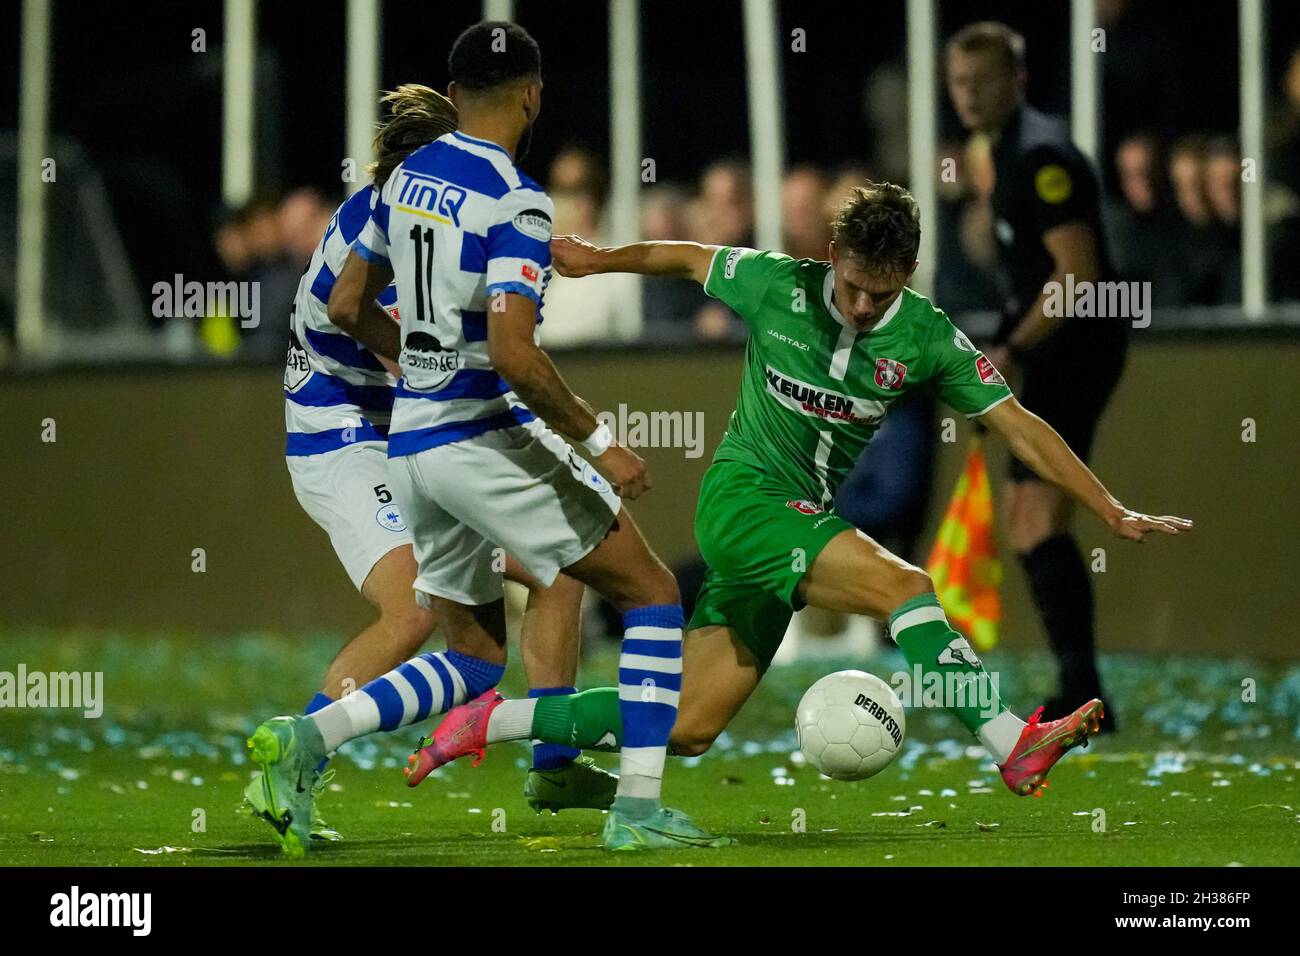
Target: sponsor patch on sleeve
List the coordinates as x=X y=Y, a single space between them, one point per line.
x=989 y=374
x=534 y=223
x=729 y=267
x=528 y=272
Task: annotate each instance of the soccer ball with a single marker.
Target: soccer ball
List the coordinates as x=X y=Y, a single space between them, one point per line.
x=850 y=725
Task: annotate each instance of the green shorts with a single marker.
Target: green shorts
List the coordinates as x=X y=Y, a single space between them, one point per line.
x=758 y=543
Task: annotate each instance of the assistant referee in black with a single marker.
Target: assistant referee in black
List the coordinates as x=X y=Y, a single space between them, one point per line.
x=1047 y=223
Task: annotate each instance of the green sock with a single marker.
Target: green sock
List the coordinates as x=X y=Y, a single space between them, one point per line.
x=589 y=721
x=949 y=671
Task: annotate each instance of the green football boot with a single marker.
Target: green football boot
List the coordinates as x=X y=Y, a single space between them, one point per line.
x=320 y=830
x=288 y=774
x=255 y=805
x=662 y=829
x=580 y=785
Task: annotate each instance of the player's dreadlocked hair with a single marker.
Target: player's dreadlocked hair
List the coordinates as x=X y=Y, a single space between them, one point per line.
x=417 y=115
x=880 y=222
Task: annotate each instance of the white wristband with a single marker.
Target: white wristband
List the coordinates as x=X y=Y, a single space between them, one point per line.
x=598 y=442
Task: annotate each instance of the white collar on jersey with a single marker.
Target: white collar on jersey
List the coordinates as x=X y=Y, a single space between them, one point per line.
x=463 y=137
x=828 y=295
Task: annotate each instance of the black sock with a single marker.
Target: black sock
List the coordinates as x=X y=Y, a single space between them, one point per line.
x=1062 y=589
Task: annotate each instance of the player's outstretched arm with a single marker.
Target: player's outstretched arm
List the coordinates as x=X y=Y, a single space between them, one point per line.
x=535 y=379
x=575 y=257
x=354 y=308
x=1038 y=445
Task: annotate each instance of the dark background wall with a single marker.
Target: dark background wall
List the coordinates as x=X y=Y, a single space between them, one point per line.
x=97 y=528
x=151 y=123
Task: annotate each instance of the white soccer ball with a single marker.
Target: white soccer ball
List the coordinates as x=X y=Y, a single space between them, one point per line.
x=850 y=725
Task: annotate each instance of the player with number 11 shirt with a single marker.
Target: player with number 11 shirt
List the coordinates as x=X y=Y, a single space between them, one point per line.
x=832 y=345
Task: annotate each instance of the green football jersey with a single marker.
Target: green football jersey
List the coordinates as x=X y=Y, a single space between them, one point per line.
x=815 y=390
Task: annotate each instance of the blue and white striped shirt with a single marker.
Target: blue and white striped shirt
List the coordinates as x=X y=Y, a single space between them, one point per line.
x=459 y=223
x=336 y=391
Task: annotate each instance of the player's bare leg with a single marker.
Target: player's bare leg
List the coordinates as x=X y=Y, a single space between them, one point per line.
x=549 y=644
x=624 y=570
x=853 y=573
x=560 y=778
x=399 y=633
x=403 y=627
x=719 y=673
x=856 y=575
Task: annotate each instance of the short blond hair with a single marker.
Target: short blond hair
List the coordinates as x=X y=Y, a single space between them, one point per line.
x=990 y=35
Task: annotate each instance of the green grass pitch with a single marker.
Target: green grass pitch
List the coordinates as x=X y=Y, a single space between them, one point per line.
x=1196 y=777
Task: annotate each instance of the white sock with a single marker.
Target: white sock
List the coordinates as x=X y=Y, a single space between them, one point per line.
x=511 y=720
x=1000 y=735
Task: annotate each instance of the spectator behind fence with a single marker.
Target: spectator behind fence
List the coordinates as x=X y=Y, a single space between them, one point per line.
x=1200 y=243
x=304 y=216
x=669 y=305
x=722 y=214
x=1223 y=194
x=277 y=280
x=591 y=310
x=1144 y=229
x=806 y=230
x=250 y=244
x=723 y=211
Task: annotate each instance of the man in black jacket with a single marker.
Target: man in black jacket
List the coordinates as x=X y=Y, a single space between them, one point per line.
x=1047 y=223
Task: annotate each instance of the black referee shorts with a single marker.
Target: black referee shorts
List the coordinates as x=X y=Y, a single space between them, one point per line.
x=1069 y=383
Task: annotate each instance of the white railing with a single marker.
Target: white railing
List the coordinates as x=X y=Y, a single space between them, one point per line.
x=763 y=44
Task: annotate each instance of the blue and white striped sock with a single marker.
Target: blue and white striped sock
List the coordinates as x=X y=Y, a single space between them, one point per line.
x=428 y=684
x=649 y=683
x=552 y=756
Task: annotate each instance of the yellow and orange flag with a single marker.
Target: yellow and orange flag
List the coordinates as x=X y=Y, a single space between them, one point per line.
x=964 y=563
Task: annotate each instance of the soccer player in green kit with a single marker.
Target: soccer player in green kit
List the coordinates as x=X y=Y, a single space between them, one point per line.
x=832 y=345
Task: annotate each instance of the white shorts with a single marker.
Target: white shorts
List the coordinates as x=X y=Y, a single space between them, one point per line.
x=520 y=490
x=346 y=492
